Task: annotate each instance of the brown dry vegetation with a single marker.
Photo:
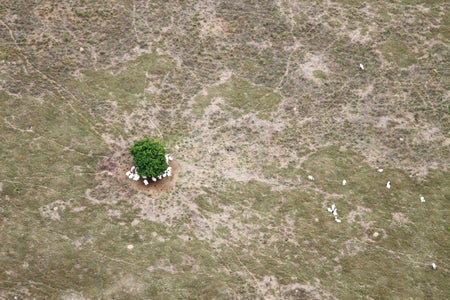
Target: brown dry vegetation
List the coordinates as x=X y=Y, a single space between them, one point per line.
x=250 y=97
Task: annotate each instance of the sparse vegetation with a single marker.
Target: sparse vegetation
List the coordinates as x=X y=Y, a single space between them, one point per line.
x=250 y=99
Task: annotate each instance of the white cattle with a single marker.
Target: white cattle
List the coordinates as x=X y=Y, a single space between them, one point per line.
x=338 y=220
x=332 y=208
x=344 y=182
x=153 y=179
x=145 y=182
x=433 y=266
x=310 y=178
x=136 y=177
x=380 y=170
x=361 y=66
x=422 y=199
x=388 y=185
x=133 y=168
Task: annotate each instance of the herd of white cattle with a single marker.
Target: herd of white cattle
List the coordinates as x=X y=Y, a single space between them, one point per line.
x=133 y=173
x=333 y=210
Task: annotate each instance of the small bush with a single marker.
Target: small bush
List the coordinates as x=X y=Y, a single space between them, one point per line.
x=149 y=157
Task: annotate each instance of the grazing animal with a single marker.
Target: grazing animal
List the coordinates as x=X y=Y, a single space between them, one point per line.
x=145 y=181
x=380 y=170
x=338 y=220
x=422 y=199
x=153 y=179
x=344 y=182
x=310 y=178
x=361 y=66
x=332 y=209
x=433 y=266
x=388 y=184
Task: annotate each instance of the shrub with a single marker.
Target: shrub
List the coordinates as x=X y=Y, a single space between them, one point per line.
x=149 y=157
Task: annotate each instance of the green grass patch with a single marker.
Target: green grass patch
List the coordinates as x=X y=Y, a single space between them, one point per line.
x=241 y=97
x=398 y=52
x=320 y=74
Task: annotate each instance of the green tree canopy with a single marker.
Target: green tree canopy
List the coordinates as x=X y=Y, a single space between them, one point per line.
x=149 y=157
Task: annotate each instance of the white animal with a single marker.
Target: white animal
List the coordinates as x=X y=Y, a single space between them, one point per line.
x=128 y=173
x=164 y=174
x=145 y=182
x=433 y=266
x=422 y=199
x=159 y=177
x=133 y=168
x=131 y=176
x=380 y=170
x=310 y=178
x=361 y=66
x=388 y=184
x=344 y=182
x=153 y=179
x=335 y=212
x=136 y=177
x=332 y=208
x=337 y=220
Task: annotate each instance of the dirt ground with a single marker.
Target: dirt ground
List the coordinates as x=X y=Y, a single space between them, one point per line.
x=250 y=98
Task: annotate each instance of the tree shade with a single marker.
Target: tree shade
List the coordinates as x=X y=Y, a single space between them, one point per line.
x=149 y=157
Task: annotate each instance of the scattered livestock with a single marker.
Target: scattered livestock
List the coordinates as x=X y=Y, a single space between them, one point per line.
x=310 y=178
x=422 y=199
x=133 y=172
x=433 y=266
x=361 y=66
x=344 y=182
x=388 y=184
x=380 y=170
x=333 y=211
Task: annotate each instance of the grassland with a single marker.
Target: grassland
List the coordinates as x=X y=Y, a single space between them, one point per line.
x=250 y=97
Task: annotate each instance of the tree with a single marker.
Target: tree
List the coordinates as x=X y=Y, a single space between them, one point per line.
x=149 y=157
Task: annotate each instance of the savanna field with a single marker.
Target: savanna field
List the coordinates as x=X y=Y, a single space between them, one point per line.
x=266 y=108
